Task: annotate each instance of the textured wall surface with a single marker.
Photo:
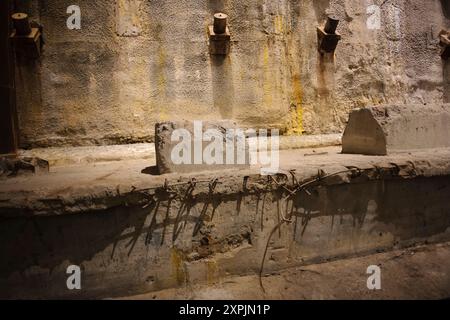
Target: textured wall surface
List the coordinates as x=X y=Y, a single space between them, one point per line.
x=134 y=63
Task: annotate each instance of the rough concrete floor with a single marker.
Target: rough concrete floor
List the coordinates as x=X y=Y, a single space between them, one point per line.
x=63 y=156
x=416 y=273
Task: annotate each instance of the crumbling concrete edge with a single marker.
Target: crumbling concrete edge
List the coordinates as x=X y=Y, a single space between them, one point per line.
x=231 y=184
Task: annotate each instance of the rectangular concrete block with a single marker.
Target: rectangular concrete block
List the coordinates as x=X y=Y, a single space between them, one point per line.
x=192 y=146
x=378 y=130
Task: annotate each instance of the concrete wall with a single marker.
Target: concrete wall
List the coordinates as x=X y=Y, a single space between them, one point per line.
x=129 y=248
x=136 y=62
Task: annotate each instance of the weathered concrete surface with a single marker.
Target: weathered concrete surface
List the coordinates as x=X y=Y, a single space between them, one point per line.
x=66 y=156
x=131 y=234
x=63 y=156
x=416 y=273
x=382 y=129
x=93 y=86
x=200 y=146
x=128 y=18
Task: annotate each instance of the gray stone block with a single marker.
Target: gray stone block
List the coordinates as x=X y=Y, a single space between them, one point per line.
x=172 y=145
x=378 y=130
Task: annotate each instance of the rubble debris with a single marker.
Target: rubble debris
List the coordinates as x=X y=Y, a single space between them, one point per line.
x=18 y=166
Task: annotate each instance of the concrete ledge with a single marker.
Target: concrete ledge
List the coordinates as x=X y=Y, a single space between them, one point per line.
x=65 y=156
x=380 y=130
x=132 y=233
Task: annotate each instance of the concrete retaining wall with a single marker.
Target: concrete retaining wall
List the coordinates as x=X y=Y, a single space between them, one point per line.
x=149 y=241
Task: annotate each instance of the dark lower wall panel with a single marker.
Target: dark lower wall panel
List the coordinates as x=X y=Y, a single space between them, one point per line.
x=129 y=250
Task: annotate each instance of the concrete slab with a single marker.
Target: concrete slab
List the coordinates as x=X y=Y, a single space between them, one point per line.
x=380 y=130
x=185 y=146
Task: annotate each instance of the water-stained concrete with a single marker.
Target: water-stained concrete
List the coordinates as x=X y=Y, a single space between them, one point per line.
x=134 y=63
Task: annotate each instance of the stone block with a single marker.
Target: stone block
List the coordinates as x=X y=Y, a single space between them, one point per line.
x=378 y=130
x=192 y=146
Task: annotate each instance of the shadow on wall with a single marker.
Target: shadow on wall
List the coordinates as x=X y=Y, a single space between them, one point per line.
x=446 y=71
x=222 y=85
x=446 y=8
x=326 y=74
x=217 y=6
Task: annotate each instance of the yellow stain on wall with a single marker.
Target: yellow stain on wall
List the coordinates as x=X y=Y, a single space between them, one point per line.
x=278 y=24
x=267 y=84
x=297 y=111
x=212 y=272
x=179 y=273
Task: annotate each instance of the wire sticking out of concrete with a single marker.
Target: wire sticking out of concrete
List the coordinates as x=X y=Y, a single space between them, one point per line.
x=320 y=177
